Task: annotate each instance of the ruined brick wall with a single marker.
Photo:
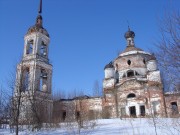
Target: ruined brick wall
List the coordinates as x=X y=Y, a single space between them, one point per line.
x=172 y=100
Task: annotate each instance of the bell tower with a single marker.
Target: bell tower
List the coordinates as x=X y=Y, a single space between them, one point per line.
x=34 y=72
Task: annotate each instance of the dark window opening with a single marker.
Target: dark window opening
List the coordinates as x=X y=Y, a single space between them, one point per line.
x=64 y=115
x=129 y=62
x=117 y=77
x=174 y=108
x=130 y=73
x=131 y=95
x=142 y=110
x=77 y=115
x=132 y=111
x=144 y=61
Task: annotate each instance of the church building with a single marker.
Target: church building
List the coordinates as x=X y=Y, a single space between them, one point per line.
x=132 y=86
x=33 y=90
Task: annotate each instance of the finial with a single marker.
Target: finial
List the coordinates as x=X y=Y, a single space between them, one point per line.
x=40 y=7
x=129 y=28
x=39 y=17
x=128 y=25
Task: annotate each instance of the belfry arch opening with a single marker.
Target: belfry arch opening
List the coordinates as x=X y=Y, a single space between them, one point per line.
x=29 y=47
x=43 y=49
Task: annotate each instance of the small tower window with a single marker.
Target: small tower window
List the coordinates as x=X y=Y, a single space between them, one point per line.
x=43 y=49
x=29 y=48
x=129 y=62
x=43 y=81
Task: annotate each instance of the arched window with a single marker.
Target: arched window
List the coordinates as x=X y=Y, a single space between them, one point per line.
x=26 y=79
x=43 y=81
x=131 y=95
x=130 y=73
x=29 y=48
x=43 y=49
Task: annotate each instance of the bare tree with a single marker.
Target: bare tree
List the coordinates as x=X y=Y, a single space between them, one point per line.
x=97 y=90
x=168 y=53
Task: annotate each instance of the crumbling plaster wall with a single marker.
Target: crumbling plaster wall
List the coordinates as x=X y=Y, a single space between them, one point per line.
x=169 y=98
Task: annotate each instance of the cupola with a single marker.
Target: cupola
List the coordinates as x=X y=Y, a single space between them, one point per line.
x=151 y=63
x=109 y=70
x=129 y=35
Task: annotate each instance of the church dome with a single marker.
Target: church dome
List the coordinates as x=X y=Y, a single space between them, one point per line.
x=110 y=65
x=151 y=57
x=38 y=27
x=129 y=34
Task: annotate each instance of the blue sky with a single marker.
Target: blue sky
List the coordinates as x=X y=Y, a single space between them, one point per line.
x=85 y=35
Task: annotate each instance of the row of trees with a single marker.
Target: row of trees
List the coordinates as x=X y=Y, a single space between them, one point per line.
x=26 y=109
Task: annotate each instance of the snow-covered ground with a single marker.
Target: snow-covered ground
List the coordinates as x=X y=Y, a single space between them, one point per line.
x=128 y=126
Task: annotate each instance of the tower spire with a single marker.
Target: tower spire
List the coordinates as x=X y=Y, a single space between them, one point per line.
x=40 y=7
x=39 y=17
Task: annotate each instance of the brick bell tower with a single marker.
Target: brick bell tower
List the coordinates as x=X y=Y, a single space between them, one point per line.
x=34 y=74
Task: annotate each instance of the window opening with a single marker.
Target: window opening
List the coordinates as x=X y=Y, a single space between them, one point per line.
x=64 y=115
x=43 y=81
x=130 y=73
x=144 y=61
x=142 y=110
x=129 y=62
x=77 y=115
x=132 y=111
x=117 y=77
x=26 y=80
x=43 y=49
x=131 y=95
x=174 y=108
x=29 y=47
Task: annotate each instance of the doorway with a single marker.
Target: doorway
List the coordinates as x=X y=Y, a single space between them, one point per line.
x=142 y=110
x=132 y=111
